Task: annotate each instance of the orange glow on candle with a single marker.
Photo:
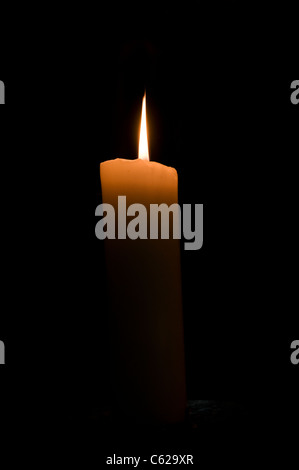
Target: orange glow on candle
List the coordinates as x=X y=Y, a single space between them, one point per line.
x=143 y=142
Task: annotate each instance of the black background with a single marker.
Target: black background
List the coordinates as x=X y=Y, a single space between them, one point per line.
x=219 y=111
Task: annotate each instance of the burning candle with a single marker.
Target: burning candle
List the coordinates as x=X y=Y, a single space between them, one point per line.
x=144 y=277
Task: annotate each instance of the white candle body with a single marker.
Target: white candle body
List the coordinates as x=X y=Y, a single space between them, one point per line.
x=146 y=304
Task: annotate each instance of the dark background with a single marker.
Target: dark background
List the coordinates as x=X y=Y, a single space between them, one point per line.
x=219 y=111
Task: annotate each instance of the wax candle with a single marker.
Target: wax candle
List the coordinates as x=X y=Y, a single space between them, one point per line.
x=144 y=277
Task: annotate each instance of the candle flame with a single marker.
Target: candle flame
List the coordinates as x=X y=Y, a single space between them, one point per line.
x=143 y=143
